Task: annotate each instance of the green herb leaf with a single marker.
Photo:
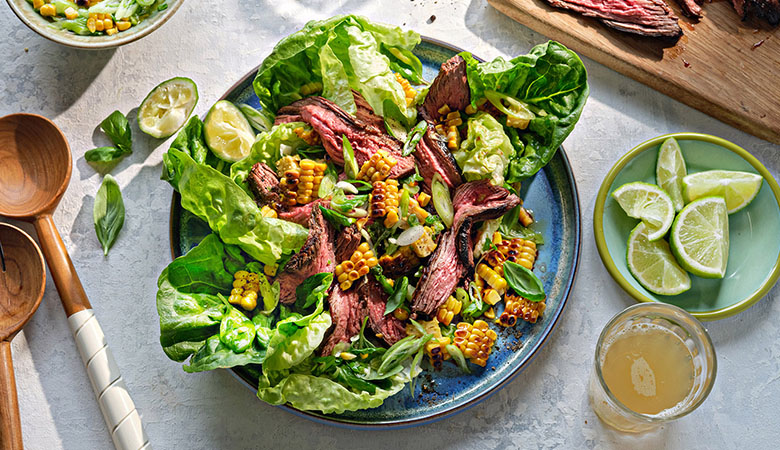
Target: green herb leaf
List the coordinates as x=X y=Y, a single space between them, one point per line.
x=256 y=119
x=117 y=128
x=344 y=204
x=108 y=213
x=382 y=279
x=401 y=351
x=350 y=163
x=313 y=289
x=337 y=219
x=104 y=154
x=236 y=331
x=398 y=295
x=523 y=281
x=414 y=137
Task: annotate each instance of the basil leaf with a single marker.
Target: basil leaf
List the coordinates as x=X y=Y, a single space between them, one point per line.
x=313 y=289
x=344 y=204
x=360 y=184
x=108 y=213
x=414 y=137
x=350 y=163
x=382 y=279
x=104 y=154
x=117 y=128
x=398 y=295
x=336 y=218
x=523 y=281
x=236 y=331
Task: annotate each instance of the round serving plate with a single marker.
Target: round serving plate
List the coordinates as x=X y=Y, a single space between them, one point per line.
x=551 y=194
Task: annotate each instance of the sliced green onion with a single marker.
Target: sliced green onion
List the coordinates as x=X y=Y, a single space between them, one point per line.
x=441 y=200
x=414 y=137
x=350 y=163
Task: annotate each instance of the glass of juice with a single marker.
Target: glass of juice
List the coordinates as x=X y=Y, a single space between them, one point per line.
x=654 y=363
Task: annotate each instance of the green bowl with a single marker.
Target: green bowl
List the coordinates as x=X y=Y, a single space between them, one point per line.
x=24 y=10
x=754 y=252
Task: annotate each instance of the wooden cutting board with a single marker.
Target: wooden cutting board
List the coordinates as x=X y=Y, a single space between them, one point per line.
x=716 y=67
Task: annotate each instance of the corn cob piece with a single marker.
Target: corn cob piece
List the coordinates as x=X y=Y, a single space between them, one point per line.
x=423 y=199
x=453 y=119
x=475 y=341
x=449 y=310
x=311 y=88
x=492 y=277
x=384 y=201
x=425 y=245
x=453 y=138
x=308 y=136
x=404 y=260
x=525 y=217
x=519 y=308
x=436 y=348
x=520 y=251
x=377 y=168
x=358 y=265
x=246 y=285
x=310 y=179
x=414 y=208
x=409 y=91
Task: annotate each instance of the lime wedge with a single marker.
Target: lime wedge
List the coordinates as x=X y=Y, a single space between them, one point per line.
x=653 y=265
x=700 y=237
x=167 y=107
x=738 y=188
x=228 y=133
x=648 y=203
x=670 y=171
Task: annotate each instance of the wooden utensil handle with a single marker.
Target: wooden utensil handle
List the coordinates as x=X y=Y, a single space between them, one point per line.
x=72 y=294
x=10 y=425
x=123 y=420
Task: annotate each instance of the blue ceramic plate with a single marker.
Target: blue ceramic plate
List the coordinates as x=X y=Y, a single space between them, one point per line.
x=551 y=194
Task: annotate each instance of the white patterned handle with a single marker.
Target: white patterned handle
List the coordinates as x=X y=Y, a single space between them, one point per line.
x=117 y=407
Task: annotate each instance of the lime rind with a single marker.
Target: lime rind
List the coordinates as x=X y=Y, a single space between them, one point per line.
x=670 y=170
x=649 y=203
x=166 y=108
x=737 y=188
x=227 y=131
x=700 y=237
x=653 y=265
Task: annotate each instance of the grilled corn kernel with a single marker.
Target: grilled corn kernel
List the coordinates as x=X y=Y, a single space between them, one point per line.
x=525 y=217
x=270 y=269
x=439 y=128
x=415 y=209
x=490 y=313
x=48 y=10
x=384 y=201
x=471 y=110
x=71 y=13
x=453 y=138
x=401 y=314
x=449 y=310
x=519 y=308
x=425 y=245
x=246 y=286
x=267 y=211
x=491 y=296
x=423 y=199
x=492 y=278
x=311 y=88
x=300 y=179
x=453 y=119
x=377 y=168
x=409 y=92
x=475 y=341
x=38 y=3
x=100 y=25
x=497 y=238
x=123 y=25
x=520 y=251
x=444 y=110
x=308 y=136
x=358 y=265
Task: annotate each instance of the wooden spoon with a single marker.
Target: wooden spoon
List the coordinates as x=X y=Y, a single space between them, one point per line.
x=22 y=282
x=36 y=162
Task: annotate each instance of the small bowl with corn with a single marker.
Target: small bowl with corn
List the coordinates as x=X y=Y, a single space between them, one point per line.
x=84 y=23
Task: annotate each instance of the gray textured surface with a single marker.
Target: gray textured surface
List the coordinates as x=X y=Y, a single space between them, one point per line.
x=216 y=43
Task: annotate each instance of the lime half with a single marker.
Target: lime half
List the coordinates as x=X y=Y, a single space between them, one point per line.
x=228 y=133
x=738 y=188
x=700 y=237
x=648 y=203
x=167 y=107
x=653 y=265
x=670 y=171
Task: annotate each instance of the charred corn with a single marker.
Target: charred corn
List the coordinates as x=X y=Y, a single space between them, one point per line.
x=403 y=261
x=525 y=217
x=436 y=348
x=358 y=265
x=520 y=251
x=491 y=296
x=475 y=341
x=519 y=308
x=377 y=168
x=311 y=88
x=425 y=245
x=491 y=277
x=409 y=91
x=384 y=201
x=310 y=179
x=246 y=285
x=453 y=138
x=415 y=209
x=267 y=211
x=308 y=135
x=449 y=310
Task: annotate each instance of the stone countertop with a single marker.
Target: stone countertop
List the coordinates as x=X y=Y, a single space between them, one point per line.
x=215 y=44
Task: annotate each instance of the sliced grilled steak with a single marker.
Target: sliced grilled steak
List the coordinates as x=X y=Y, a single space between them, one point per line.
x=347 y=310
x=643 y=17
x=301 y=214
x=768 y=10
x=390 y=329
x=331 y=123
x=453 y=258
x=690 y=8
x=450 y=88
x=316 y=255
x=347 y=242
x=434 y=157
x=366 y=114
x=264 y=184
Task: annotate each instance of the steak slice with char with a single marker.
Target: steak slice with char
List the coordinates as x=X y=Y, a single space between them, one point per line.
x=390 y=328
x=316 y=255
x=331 y=123
x=347 y=310
x=434 y=157
x=347 y=242
x=301 y=214
x=768 y=10
x=643 y=17
x=450 y=88
x=264 y=184
x=690 y=8
x=453 y=258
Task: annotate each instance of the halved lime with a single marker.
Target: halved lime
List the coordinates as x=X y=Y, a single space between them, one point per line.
x=653 y=265
x=649 y=203
x=700 y=237
x=167 y=107
x=670 y=171
x=737 y=188
x=228 y=133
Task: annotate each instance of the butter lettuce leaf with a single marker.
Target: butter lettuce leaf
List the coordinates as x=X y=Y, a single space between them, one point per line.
x=486 y=151
x=288 y=350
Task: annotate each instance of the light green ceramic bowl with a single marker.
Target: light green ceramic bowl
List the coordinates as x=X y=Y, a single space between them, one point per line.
x=24 y=10
x=754 y=253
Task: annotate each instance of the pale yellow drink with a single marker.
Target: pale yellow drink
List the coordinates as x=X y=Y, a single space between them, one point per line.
x=648 y=368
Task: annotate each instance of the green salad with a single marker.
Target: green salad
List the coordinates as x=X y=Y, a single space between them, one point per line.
x=97 y=18
x=339 y=208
